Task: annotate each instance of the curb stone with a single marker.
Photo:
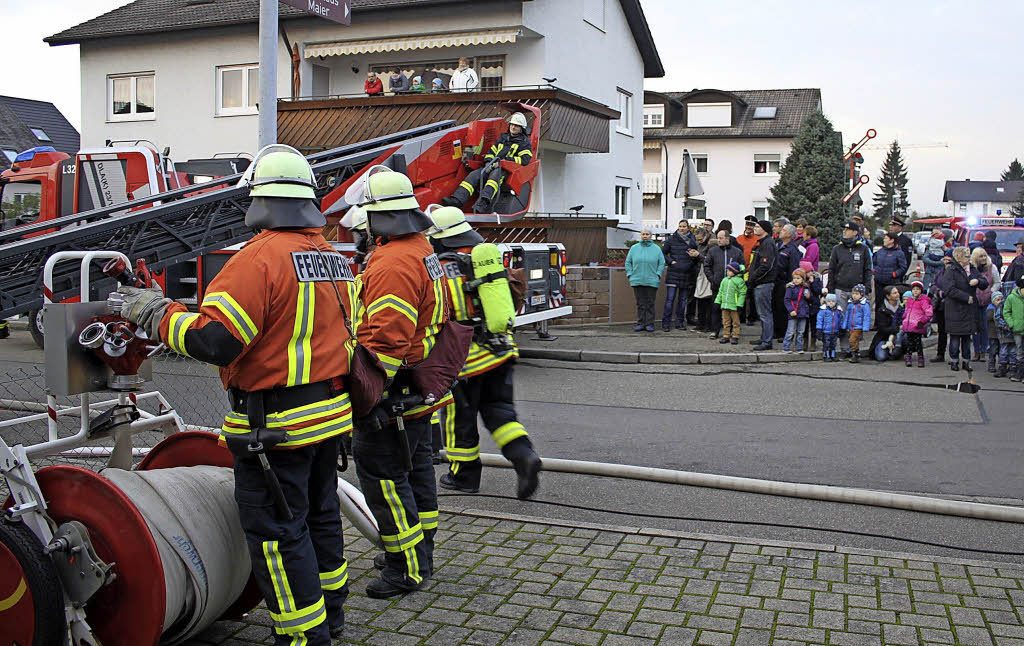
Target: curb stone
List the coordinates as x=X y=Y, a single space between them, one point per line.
x=669 y=357
x=602 y=356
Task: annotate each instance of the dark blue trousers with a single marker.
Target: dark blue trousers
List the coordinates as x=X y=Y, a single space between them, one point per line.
x=299 y=564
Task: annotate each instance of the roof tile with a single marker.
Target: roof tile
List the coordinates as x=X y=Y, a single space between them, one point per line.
x=793 y=105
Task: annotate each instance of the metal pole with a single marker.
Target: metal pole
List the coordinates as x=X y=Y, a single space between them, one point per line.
x=268 y=73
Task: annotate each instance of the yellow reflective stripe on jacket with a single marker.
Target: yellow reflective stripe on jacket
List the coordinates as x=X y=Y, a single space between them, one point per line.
x=395 y=303
x=335 y=579
x=495 y=151
x=177 y=327
x=480 y=360
x=428 y=519
x=319 y=421
x=523 y=153
x=407 y=538
x=391 y=364
x=300 y=353
x=427 y=408
x=508 y=432
x=289 y=619
x=234 y=312
x=459 y=310
x=456 y=454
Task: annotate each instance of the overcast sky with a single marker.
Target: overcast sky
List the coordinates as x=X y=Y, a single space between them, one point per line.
x=921 y=71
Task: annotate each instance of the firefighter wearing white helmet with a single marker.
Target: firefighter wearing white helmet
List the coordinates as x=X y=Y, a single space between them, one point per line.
x=355 y=222
x=514 y=146
x=403 y=309
x=272 y=321
x=485 y=386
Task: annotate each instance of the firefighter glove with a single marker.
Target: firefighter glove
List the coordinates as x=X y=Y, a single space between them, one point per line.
x=144 y=307
x=377 y=420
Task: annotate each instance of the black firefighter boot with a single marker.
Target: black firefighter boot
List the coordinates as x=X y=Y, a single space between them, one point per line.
x=527 y=464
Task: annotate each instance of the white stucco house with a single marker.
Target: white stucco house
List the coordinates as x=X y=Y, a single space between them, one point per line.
x=737 y=139
x=968 y=198
x=184 y=74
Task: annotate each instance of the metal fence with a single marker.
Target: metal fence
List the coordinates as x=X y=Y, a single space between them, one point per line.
x=192 y=388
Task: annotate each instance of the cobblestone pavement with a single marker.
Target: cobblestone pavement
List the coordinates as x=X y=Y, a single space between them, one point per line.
x=526 y=582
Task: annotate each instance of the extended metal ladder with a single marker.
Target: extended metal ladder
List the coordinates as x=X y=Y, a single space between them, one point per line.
x=178 y=227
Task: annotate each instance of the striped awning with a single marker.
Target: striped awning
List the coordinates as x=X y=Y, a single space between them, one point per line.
x=650 y=144
x=428 y=41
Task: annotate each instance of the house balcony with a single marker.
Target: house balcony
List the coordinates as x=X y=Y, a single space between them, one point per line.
x=654 y=185
x=570 y=123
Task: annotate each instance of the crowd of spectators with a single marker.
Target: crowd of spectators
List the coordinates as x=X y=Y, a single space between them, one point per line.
x=769 y=276
x=463 y=79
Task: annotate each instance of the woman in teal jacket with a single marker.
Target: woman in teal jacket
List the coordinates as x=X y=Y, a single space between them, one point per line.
x=644 y=264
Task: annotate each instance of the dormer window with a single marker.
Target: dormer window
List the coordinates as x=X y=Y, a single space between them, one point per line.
x=654 y=116
x=709 y=115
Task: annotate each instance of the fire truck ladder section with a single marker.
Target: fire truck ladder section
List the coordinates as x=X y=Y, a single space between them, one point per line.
x=169 y=228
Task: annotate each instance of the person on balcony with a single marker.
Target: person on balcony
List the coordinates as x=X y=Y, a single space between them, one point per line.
x=417 y=85
x=514 y=146
x=464 y=79
x=373 y=84
x=398 y=83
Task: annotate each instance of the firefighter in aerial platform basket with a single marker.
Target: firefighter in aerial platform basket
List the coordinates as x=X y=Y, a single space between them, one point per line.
x=403 y=333
x=273 y=320
x=480 y=294
x=513 y=145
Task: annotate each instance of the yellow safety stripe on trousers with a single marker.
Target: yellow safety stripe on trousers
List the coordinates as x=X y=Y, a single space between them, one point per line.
x=299 y=640
x=508 y=432
x=456 y=454
x=177 y=327
x=492 y=184
x=414 y=534
x=391 y=365
x=459 y=310
x=278 y=577
x=428 y=519
x=299 y=621
x=395 y=303
x=448 y=427
x=231 y=309
x=403 y=540
x=300 y=353
x=335 y=579
x=469 y=187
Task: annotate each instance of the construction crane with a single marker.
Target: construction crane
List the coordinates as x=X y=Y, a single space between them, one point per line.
x=936 y=144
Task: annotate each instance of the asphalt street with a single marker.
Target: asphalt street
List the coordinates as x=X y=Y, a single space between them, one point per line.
x=865 y=426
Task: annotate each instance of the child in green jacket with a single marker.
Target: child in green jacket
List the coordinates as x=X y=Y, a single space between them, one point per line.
x=731 y=294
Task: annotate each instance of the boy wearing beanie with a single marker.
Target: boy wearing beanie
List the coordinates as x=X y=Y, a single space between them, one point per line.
x=994 y=307
x=829 y=324
x=857 y=319
x=1013 y=318
x=731 y=295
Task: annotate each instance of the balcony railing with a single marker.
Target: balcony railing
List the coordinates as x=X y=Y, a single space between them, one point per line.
x=653 y=183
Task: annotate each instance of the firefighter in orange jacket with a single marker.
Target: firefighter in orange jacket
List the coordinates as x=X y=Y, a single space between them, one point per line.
x=403 y=308
x=485 y=382
x=272 y=321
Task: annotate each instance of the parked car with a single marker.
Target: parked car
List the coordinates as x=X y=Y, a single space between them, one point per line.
x=920 y=239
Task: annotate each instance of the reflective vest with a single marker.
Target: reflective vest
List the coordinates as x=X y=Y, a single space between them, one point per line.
x=275 y=297
x=481 y=358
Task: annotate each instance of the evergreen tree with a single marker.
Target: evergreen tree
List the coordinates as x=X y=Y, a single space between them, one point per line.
x=893 y=182
x=812 y=180
x=1017 y=210
x=1014 y=172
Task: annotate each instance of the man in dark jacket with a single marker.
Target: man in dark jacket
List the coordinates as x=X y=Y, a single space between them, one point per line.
x=849 y=265
x=680 y=249
x=789 y=261
x=890 y=267
x=1016 y=268
x=761 y=281
x=715 y=262
x=903 y=241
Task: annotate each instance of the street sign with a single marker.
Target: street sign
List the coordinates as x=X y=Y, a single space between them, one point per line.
x=688 y=183
x=694 y=203
x=339 y=11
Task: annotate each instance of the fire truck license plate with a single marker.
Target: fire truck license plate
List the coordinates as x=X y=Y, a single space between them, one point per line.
x=537 y=300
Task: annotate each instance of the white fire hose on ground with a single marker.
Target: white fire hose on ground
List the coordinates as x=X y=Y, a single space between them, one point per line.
x=192 y=516
x=775 y=488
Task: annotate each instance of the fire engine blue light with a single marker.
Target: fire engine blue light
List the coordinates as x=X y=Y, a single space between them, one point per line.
x=972 y=220
x=31 y=152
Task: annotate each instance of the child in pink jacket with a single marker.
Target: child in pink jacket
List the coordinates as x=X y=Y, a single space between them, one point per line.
x=917 y=316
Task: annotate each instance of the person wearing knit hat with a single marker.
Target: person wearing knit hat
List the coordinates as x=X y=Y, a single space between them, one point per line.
x=917 y=320
x=1008 y=359
x=797 y=300
x=1013 y=315
x=829 y=323
x=857 y=320
x=761 y=281
x=993 y=313
x=732 y=292
x=812 y=281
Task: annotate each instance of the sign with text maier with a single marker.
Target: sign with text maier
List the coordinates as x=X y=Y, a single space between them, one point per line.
x=339 y=11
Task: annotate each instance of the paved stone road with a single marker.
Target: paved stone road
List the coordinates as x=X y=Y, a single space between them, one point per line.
x=522 y=583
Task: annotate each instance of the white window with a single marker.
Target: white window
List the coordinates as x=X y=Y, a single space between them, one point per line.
x=654 y=116
x=709 y=115
x=593 y=13
x=131 y=97
x=767 y=163
x=40 y=134
x=761 y=212
x=11 y=155
x=625 y=125
x=700 y=162
x=622 y=201
x=238 y=89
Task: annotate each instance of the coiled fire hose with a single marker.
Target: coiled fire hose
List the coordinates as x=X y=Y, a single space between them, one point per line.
x=192 y=515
